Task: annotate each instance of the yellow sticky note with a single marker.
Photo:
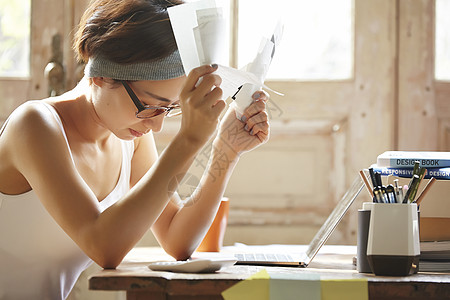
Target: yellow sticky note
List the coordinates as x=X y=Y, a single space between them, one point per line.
x=345 y=289
x=256 y=287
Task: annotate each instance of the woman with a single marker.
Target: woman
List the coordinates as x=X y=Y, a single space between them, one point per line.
x=80 y=178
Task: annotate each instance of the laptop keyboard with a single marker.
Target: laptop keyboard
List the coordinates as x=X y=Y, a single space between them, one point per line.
x=264 y=257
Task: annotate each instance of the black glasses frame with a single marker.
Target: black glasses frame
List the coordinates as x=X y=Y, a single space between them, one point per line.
x=157 y=110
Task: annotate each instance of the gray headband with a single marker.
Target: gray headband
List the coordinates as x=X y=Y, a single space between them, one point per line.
x=163 y=69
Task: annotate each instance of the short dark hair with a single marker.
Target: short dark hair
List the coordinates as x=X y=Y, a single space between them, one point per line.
x=126 y=31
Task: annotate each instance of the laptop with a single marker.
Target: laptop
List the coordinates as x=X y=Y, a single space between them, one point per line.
x=304 y=259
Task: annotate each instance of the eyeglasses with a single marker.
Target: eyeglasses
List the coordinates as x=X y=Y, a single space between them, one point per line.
x=147 y=111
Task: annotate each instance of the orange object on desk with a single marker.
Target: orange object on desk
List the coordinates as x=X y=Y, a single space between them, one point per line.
x=213 y=240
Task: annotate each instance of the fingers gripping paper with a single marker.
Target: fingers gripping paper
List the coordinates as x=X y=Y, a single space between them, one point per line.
x=201 y=35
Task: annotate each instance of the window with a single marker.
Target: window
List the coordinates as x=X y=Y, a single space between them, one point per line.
x=317 y=42
x=442 y=40
x=15 y=38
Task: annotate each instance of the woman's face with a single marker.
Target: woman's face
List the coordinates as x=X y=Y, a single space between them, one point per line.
x=117 y=112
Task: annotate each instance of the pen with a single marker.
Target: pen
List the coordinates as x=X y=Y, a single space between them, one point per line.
x=397 y=191
x=412 y=185
x=378 y=196
x=400 y=194
x=421 y=174
x=390 y=191
x=416 y=168
x=405 y=190
x=381 y=187
x=372 y=177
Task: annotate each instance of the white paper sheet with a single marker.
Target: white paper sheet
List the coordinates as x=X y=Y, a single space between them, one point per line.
x=209 y=35
x=200 y=32
x=259 y=67
x=184 y=19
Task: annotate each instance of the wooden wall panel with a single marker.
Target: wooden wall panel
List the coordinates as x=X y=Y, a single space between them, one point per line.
x=312 y=100
x=48 y=19
x=372 y=108
x=417 y=115
x=444 y=134
x=442 y=93
x=12 y=93
x=288 y=184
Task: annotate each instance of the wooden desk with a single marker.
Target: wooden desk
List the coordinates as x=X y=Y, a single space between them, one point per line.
x=139 y=282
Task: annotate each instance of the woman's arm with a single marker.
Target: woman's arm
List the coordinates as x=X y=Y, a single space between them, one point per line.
x=41 y=155
x=180 y=231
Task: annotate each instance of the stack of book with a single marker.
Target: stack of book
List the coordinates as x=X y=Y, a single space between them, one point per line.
x=401 y=164
x=435 y=256
x=435 y=243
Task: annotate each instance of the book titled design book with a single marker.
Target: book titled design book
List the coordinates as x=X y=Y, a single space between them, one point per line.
x=406 y=159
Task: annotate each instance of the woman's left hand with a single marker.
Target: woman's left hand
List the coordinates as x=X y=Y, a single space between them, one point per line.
x=240 y=136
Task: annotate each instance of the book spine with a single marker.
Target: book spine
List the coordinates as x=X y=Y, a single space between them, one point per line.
x=438 y=173
x=409 y=162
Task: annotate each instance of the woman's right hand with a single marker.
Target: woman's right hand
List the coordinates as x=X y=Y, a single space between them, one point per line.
x=201 y=104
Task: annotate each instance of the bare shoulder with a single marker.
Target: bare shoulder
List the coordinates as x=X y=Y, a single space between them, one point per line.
x=30 y=121
x=32 y=127
x=32 y=116
x=25 y=142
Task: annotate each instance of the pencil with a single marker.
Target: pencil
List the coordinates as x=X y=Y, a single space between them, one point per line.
x=425 y=190
x=366 y=183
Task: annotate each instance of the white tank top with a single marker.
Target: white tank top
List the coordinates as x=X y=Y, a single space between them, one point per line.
x=38 y=260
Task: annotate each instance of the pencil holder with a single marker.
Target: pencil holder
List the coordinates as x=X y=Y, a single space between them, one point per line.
x=393 y=246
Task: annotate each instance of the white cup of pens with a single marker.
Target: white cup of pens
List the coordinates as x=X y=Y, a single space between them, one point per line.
x=393 y=246
x=392 y=234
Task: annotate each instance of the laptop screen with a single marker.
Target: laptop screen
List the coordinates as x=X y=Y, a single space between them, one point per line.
x=334 y=218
